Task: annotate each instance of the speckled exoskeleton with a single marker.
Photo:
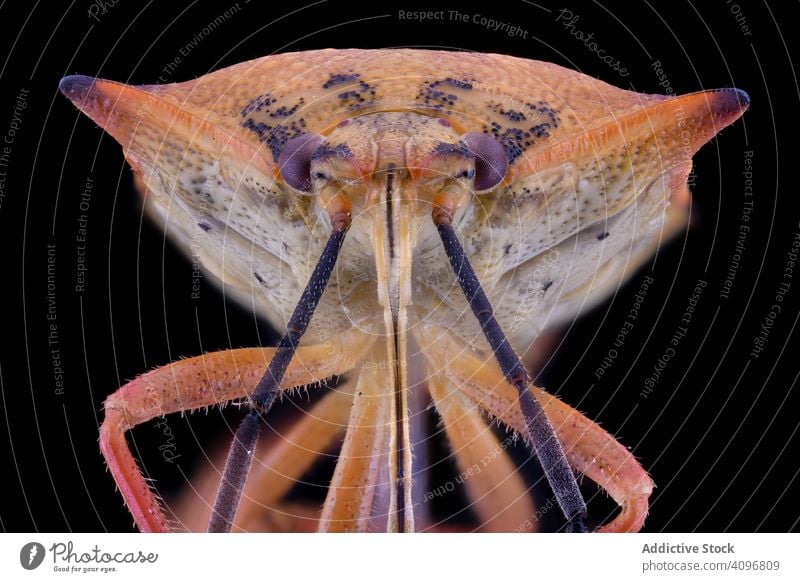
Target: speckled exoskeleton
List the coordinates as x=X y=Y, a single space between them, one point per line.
x=417 y=218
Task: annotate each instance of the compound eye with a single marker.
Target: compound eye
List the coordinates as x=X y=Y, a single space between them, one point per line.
x=491 y=161
x=294 y=161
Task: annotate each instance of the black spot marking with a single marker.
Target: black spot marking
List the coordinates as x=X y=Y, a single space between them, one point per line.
x=258 y=277
x=258 y=115
x=339 y=80
x=434 y=95
x=541 y=130
x=457 y=83
x=514 y=140
x=460 y=148
x=507 y=248
x=257 y=104
x=513 y=115
x=543 y=109
x=284 y=111
x=547 y=286
x=602 y=236
x=326 y=151
x=275 y=136
x=359 y=96
x=204 y=226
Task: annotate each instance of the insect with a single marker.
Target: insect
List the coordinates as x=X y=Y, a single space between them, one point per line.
x=400 y=213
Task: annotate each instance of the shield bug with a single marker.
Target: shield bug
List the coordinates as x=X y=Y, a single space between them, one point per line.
x=398 y=212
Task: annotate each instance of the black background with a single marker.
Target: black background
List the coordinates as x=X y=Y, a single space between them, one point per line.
x=718 y=434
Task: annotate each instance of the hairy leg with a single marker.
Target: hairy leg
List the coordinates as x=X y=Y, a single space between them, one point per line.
x=285 y=453
x=198 y=382
x=365 y=452
x=497 y=491
x=589 y=449
x=289 y=455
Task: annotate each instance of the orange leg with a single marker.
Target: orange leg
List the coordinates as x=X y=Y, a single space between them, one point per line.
x=289 y=455
x=498 y=492
x=197 y=382
x=365 y=452
x=589 y=449
x=284 y=454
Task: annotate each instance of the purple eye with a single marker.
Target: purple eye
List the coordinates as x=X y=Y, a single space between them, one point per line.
x=491 y=160
x=294 y=162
